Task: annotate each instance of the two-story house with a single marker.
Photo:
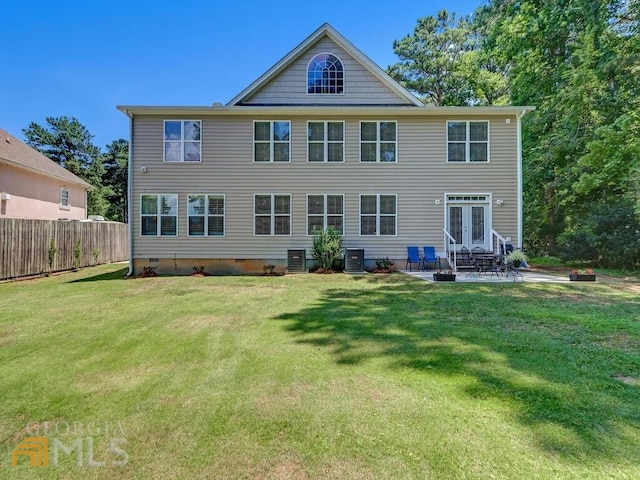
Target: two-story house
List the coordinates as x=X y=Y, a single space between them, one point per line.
x=35 y=187
x=325 y=137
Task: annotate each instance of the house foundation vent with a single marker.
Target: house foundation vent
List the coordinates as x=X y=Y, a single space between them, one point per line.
x=354 y=260
x=297 y=261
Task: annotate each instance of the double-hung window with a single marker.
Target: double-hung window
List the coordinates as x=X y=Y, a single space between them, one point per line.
x=467 y=141
x=272 y=214
x=325 y=141
x=378 y=214
x=324 y=211
x=159 y=215
x=378 y=141
x=206 y=215
x=182 y=141
x=64 y=199
x=271 y=141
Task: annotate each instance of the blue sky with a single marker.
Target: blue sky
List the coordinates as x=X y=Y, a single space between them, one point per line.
x=82 y=59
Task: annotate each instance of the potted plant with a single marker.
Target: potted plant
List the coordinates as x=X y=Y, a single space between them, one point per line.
x=441 y=276
x=517 y=258
x=586 y=275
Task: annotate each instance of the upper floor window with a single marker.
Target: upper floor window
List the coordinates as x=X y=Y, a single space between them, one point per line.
x=206 y=215
x=378 y=141
x=325 y=141
x=324 y=211
x=271 y=141
x=182 y=141
x=64 y=199
x=159 y=215
x=378 y=214
x=272 y=214
x=325 y=74
x=467 y=141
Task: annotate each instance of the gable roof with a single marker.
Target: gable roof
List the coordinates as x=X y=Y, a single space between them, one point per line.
x=18 y=153
x=328 y=31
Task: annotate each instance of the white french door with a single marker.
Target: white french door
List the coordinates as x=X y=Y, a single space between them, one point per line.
x=468 y=221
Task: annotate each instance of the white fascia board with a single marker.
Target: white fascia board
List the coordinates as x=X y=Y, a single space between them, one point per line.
x=399 y=111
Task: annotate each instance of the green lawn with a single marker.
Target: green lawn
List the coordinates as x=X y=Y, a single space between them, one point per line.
x=321 y=376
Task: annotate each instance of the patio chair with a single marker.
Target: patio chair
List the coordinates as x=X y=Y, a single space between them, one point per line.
x=429 y=257
x=413 y=256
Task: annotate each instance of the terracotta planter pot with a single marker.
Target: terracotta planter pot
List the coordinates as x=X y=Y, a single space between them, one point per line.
x=582 y=277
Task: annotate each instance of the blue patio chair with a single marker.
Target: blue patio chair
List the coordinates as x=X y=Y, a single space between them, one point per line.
x=429 y=257
x=413 y=256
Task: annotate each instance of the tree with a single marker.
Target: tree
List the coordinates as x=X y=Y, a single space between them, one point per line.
x=431 y=59
x=69 y=143
x=116 y=160
x=65 y=141
x=577 y=62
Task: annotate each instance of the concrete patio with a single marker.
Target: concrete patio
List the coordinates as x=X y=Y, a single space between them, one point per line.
x=530 y=276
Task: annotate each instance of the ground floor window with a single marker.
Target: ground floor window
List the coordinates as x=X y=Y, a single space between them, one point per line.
x=325 y=211
x=206 y=215
x=272 y=214
x=378 y=214
x=159 y=215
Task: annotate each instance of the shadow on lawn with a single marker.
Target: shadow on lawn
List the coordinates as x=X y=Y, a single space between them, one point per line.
x=119 y=274
x=530 y=346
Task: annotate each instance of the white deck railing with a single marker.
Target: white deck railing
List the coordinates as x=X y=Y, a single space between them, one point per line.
x=450 y=249
x=498 y=241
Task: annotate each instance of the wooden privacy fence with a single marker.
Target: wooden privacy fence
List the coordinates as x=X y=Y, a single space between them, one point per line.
x=24 y=245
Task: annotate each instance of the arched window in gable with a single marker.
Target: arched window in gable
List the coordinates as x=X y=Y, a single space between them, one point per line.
x=325 y=74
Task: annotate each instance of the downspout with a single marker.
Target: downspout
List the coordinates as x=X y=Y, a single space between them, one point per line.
x=130 y=194
x=519 y=175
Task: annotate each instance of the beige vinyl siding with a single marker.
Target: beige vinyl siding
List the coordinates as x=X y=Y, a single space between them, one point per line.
x=361 y=87
x=420 y=176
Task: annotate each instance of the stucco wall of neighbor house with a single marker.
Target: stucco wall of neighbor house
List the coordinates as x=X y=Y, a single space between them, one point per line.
x=37 y=196
x=420 y=177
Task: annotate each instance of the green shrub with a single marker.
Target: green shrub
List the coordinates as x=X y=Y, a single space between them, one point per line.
x=327 y=247
x=51 y=254
x=609 y=236
x=77 y=255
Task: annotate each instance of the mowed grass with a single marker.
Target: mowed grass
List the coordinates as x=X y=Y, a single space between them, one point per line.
x=321 y=377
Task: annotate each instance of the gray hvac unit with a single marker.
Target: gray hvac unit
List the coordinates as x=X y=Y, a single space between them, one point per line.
x=297 y=261
x=354 y=260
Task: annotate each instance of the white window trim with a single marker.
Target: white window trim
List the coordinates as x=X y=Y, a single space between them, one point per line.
x=271 y=141
x=64 y=206
x=377 y=195
x=467 y=151
x=273 y=214
x=378 y=141
x=159 y=215
x=326 y=142
x=344 y=76
x=325 y=214
x=206 y=215
x=182 y=140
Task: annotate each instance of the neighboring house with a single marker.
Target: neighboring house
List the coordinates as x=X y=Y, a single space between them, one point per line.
x=33 y=186
x=325 y=137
